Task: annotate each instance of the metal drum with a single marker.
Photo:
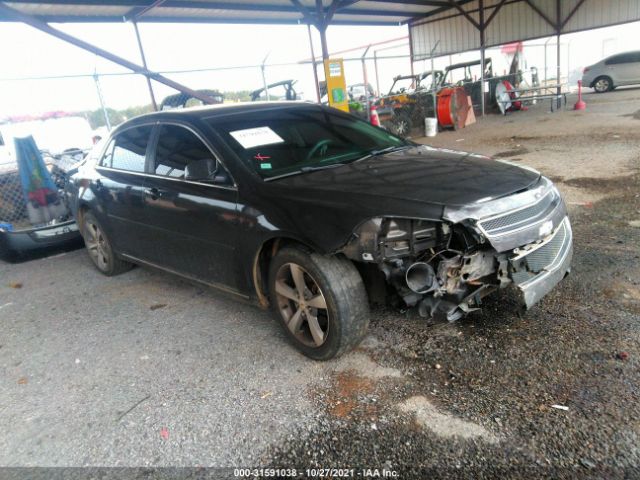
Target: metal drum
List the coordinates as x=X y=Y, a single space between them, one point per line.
x=452 y=107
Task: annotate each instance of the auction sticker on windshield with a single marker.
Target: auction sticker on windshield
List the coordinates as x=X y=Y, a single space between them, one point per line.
x=256 y=137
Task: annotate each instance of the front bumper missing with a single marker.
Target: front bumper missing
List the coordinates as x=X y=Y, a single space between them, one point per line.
x=534 y=288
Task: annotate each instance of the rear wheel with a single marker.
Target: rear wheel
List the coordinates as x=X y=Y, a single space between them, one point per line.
x=320 y=302
x=602 y=84
x=99 y=247
x=401 y=125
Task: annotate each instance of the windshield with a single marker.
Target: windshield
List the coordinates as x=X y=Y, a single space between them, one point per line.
x=280 y=142
x=403 y=85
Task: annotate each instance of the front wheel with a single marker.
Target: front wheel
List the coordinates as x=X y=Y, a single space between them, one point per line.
x=99 y=247
x=320 y=301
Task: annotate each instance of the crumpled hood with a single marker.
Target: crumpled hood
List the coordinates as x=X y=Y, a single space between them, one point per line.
x=422 y=174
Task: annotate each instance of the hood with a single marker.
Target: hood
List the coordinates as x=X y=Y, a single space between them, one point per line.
x=422 y=174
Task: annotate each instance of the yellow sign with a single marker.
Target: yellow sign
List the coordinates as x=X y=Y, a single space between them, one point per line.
x=336 y=84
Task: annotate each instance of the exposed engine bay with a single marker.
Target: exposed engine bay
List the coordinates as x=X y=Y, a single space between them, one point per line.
x=448 y=266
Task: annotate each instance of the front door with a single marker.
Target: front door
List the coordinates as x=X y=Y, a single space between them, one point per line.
x=120 y=187
x=191 y=208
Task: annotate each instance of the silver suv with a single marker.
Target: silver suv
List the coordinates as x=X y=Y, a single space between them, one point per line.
x=607 y=74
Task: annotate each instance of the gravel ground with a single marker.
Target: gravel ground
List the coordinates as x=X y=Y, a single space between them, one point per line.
x=146 y=370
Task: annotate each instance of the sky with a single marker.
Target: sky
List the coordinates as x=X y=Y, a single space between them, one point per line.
x=26 y=52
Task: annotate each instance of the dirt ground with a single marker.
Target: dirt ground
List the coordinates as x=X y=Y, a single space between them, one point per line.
x=145 y=370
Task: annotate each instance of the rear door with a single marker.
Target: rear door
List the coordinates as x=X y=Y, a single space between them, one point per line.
x=120 y=188
x=191 y=210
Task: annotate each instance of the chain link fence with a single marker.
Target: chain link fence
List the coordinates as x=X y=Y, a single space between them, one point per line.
x=14 y=207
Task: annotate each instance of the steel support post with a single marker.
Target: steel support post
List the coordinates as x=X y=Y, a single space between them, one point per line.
x=313 y=63
x=482 y=59
x=144 y=64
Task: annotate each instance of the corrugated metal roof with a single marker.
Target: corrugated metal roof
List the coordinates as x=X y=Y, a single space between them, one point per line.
x=516 y=20
x=350 y=12
x=430 y=21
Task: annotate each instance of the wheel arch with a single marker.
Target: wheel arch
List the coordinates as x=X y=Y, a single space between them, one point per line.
x=262 y=259
x=608 y=77
x=83 y=208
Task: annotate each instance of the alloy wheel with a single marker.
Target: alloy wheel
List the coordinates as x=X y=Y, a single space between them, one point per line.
x=602 y=85
x=401 y=128
x=97 y=246
x=302 y=305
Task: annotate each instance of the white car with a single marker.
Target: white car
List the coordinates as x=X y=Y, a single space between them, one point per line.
x=612 y=72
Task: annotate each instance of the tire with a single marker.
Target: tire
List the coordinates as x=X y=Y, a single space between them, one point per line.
x=401 y=125
x=603 y=84
x=330 y=281
x=99 y=248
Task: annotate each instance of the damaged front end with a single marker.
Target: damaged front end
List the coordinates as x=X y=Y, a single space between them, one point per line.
x=447 y=266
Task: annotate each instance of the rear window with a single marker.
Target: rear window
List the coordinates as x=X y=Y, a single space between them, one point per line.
x=278 y=142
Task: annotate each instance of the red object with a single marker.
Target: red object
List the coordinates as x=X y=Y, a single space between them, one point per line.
x=164 y=433
x=40 y=196
x=452 y=107
x=580 y=104
x=375 y=118
x=511 y=48
x=515 y=104
x=261 y=158
x=622 y=356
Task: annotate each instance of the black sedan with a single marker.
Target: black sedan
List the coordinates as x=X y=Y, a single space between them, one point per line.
x=316 y=213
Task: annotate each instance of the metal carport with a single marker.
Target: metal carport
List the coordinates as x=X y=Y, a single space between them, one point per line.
x=458 y=25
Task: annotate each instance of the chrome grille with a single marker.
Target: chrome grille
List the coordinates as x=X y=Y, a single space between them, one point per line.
x=513 y=221
x=546 y=255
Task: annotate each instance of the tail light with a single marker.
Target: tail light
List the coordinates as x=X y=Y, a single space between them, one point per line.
x=375 y=118
x=586 y=69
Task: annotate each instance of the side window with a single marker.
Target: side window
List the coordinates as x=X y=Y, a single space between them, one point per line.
x=613 y=60
x=108 y=155
x=181 y=154
x=622 y=58
x=129 y=150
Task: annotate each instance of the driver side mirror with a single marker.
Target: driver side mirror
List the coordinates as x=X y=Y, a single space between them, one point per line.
x=206 y=170
x=200 y=170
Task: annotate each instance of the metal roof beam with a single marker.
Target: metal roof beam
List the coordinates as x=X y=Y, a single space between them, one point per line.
x=424 y=3
x=571 y=14
x=141 y=7
x=44 y=27
x=535 y=8
x=455 y=4
x=204 y=20
x=495 y=12
x=448 y=6
x=139 y=11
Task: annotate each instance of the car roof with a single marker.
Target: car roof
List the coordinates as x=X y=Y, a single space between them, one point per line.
x=621 y=53
x=219 y=110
